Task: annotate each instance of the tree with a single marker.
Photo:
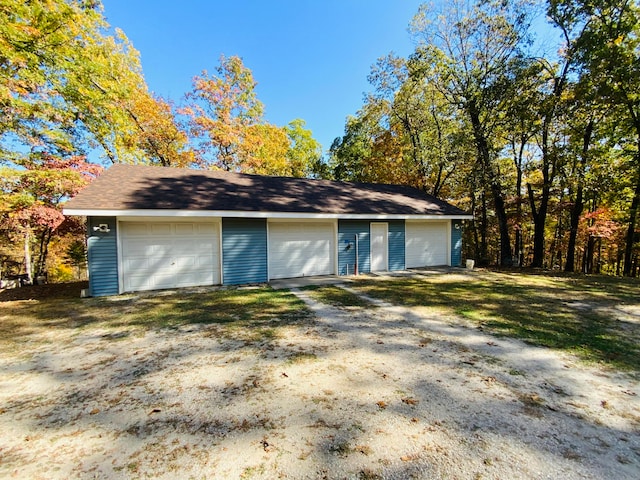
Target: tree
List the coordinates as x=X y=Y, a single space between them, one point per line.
x=347 y=153
x=554 y=81
x=472 y=55
x=31 y=197
x=305 y=152
x=264 y=150
x=610 y=52
x=420 y=123
x=220 y=110
x=226 y=119
x=68 y=85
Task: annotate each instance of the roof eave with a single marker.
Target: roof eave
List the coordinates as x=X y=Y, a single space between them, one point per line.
x=240 y=214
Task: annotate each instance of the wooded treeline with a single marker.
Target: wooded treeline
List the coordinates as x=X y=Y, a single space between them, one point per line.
x=534 y=130
x=72 y=87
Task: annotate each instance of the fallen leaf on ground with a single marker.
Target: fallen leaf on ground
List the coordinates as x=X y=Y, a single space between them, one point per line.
x=382 y=404
x=408 y=458
x=410 y=401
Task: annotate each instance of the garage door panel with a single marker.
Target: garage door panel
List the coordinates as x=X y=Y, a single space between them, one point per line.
x=185 y=229
x=426 y=244
x=206 y=229
x=159 y=229
x=137 y=229
x=299 y=249
x=169 y=255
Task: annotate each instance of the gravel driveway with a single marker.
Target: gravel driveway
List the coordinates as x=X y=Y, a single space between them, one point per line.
x=374 y=392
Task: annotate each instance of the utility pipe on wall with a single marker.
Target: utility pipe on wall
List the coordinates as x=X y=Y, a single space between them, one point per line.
x=355 y=267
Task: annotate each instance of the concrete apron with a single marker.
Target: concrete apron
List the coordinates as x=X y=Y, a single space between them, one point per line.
x=289 y=283
x=299 y=282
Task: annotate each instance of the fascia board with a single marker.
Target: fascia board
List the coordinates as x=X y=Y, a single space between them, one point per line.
x=238 y=214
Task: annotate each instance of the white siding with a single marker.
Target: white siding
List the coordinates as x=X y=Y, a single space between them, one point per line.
x=426 y=244
x=301 y=249
x=158 y=255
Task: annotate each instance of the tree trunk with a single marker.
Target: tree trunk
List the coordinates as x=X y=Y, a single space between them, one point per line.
x=27 y=255
x=631 y=229
x=539 y=214
x=517 y=244
x=576 y=212
x=588 y=263
x=484 y=156
x=484 y=249
x=578 y=205
x=41 y=264
x=635 y=203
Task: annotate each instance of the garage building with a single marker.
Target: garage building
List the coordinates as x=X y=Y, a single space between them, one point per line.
x=155 y=228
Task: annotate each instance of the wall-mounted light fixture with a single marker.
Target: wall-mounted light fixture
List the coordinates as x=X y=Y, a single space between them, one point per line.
x=102 y=228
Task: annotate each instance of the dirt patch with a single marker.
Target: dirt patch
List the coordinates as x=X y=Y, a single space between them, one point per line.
x=43 y=292
x=386 y=392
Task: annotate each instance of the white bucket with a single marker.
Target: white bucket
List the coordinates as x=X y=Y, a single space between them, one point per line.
x=470 y=264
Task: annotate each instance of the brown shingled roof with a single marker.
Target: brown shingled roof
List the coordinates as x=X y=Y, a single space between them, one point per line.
x=126 y=187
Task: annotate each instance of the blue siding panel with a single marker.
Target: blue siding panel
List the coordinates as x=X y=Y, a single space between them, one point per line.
x=456 y=243
x=347 y=230
x=396 y=245
x=244 y=251
x=102 y=256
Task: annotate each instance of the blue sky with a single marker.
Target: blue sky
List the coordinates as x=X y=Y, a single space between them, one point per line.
x=310 y=58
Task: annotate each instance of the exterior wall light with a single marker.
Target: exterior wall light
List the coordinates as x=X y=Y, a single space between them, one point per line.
x=102 y=228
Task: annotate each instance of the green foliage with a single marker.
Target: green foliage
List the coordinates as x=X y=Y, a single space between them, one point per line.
x=226 y=120
x=31 y=198
x=76 y=254
x=535 y=146
x=68 y=84
x=61 y=273
x=305 y=152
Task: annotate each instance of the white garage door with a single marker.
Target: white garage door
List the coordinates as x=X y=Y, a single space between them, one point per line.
x=426 y=244
x=158 y=255
x=300 y=249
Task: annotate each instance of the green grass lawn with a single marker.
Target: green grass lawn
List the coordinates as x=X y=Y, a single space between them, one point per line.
x=579 y=314
x=258 y=312
x=584 y=315
x=336 y=296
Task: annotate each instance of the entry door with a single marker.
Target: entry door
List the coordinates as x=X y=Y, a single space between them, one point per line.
x=379 y=247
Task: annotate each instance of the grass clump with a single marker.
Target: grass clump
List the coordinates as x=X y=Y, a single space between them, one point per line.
x=336 y=296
